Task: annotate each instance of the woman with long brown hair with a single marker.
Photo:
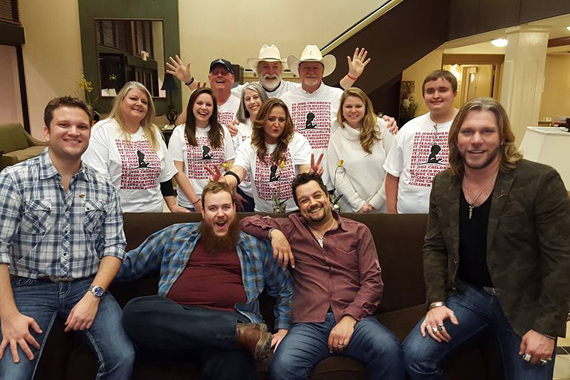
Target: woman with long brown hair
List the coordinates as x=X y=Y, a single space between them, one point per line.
x=273 y=156
x=200 y=142
x=356 y=154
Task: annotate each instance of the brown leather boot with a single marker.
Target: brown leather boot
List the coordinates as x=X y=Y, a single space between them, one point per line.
x=258 y=342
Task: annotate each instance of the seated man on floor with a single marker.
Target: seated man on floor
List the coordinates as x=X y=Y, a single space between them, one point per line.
x=211 y=275
x=338 y=285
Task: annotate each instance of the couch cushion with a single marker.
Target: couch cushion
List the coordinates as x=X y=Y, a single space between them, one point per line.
x=12 y=137
x=401 y=322
x=16 y=156
x=341 y=368
x=399 y=240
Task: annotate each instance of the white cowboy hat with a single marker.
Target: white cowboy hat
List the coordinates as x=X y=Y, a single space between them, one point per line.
x=267 y=53
x=312 y=54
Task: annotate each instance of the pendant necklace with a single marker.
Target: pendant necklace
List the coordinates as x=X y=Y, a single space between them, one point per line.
x=321 y=239
x=472 y=204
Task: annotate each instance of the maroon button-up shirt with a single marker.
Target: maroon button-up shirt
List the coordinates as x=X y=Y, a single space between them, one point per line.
x=344 y=274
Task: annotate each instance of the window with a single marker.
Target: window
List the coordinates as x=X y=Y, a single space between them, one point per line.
x=9 y=12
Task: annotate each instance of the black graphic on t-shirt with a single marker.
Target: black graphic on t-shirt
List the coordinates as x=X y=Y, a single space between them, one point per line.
x=309 y=123
x=197 y=154
x=428 y=157
x=432 y=159
x=206 y=155
x=316 y=129
x=273 y=175
x=142 y=163
x=134 y=156
x=265 y=187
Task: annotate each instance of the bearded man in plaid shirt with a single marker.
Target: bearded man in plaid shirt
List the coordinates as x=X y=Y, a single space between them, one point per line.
x=207 y=309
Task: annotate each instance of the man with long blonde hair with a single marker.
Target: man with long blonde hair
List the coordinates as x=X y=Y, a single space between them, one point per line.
x=496 y=253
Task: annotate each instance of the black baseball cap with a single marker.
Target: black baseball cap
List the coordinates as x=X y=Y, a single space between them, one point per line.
x=224 y=62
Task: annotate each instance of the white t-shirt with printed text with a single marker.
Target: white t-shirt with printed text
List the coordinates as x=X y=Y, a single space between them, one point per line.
x=313 y=115
x=227 y=111
x=196 y=158
x=133 y=166
x=420 y=153
x=271 y=179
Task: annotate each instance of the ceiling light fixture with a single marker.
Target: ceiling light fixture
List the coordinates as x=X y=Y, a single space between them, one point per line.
x=568 y=27
x=500 y=42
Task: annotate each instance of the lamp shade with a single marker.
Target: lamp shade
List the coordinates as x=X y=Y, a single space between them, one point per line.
x=169 y=83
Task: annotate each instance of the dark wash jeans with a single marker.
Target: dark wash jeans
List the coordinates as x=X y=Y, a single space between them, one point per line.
x=306 y=345
x=476 y=310
x=203 y=335
x=44 y=301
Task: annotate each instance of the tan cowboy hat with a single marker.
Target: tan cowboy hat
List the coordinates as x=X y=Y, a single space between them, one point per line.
x=312 y=54
x=267 y=53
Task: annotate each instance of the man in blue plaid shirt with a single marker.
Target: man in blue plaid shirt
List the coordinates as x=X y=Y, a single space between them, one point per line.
x=61 y=244
x=211 y=275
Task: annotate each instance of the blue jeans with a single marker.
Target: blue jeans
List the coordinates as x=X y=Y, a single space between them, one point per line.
x=306 y=345
x=476 y=310
x=44 y=301
x=161 y=327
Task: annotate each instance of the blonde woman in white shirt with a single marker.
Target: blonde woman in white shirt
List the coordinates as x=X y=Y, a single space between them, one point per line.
x=128 y=148
x=356 y=154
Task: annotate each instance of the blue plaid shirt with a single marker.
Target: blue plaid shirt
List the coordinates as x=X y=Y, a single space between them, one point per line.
x=169 y=250
x=47 y=231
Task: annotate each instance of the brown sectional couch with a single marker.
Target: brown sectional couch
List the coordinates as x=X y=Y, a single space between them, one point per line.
x=398 y=239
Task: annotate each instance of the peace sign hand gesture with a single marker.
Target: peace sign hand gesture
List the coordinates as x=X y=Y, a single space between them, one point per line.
x=317 y=168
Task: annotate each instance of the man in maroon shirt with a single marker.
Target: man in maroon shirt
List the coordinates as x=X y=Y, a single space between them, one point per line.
x=337 y=287
x=211 y=275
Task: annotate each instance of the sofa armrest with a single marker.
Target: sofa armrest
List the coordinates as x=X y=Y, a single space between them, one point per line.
x=32 y=141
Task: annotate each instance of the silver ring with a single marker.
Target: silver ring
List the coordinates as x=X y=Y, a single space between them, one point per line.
x=527 y=357
x=427 y=328
x=435 y=330
x=440 y=327
x=543 y=362
x=340 y=344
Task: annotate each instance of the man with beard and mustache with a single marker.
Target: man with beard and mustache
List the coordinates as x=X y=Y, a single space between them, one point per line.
x=496 y=252
x=269 y=67
x=337 y=283
x=207 y=303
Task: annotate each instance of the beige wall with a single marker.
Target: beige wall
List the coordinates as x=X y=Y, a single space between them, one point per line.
x=556 y=95
x=52 y=54
x=419 y=71
x=291 y=25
